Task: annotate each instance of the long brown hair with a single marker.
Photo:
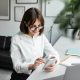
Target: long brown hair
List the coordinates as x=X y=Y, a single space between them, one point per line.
x=29 y=18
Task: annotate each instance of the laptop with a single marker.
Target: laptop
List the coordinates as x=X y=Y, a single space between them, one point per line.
x=72 y=72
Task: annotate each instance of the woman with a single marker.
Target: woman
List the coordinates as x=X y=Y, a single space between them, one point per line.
x=28 y=46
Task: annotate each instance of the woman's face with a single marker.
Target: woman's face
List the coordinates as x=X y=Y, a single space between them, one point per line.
x=35 y=28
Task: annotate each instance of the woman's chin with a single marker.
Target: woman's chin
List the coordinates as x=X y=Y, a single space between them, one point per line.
x=35 y=33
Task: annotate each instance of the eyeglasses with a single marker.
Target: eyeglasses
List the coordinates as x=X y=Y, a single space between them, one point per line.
x=33 y=27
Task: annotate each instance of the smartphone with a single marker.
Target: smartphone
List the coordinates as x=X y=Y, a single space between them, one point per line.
x=50 y=61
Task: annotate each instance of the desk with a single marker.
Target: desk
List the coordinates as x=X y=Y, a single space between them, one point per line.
x=57 y=74
x=61 y=46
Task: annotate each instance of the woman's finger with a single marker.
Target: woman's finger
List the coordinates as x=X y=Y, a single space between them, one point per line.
x=40 y=60
x=49 y=69
x=50 y=65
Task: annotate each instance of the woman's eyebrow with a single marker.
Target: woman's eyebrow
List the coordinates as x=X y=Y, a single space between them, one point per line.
x=37 y=26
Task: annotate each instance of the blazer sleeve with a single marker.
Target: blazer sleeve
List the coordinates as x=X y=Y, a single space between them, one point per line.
x=49 y=50
x=18 y=65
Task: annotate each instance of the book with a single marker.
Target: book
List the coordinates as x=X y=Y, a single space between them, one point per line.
x=73 y=51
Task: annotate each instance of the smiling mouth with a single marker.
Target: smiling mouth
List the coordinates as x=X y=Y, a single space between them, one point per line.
x=35 y=31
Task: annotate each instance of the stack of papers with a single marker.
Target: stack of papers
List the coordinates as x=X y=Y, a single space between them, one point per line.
x=70 y=61
x=73 y=51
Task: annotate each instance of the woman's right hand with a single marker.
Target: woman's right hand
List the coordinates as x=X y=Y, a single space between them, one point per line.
x=37 y=62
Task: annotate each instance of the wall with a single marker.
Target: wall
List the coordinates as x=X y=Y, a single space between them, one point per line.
x=11 y=27
x=51 y=30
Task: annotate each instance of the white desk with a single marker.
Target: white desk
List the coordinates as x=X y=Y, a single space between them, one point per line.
x=57 y=74
x=61 y=46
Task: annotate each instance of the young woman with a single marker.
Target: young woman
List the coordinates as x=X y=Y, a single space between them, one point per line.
x=29 y=46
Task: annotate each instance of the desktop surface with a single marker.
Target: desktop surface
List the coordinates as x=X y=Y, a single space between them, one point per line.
x=65 y=43
x=62 y=45
x=57 y=74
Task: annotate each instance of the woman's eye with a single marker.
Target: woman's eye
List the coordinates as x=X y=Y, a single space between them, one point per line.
x=34 y=25
x=39 y=25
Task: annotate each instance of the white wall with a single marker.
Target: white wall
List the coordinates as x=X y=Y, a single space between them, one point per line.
x=51 y=30
x=11 y=27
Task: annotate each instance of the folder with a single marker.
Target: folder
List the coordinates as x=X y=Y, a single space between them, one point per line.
x=73 y=51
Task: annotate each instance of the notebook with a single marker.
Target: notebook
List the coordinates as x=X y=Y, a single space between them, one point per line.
x=73 y=51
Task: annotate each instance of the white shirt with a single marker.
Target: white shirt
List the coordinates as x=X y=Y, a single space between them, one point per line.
x=25 y=50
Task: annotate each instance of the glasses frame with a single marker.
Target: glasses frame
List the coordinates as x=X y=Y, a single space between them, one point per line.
x=34 y=28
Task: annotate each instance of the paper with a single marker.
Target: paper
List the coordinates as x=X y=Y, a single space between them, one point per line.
x=72 y=60
x=73 y=51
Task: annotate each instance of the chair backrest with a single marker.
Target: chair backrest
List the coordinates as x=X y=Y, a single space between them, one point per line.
x=72 y=73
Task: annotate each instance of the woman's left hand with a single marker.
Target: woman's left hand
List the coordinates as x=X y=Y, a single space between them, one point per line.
x=49 y=68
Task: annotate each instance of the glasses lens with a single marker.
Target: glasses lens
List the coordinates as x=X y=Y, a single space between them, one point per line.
x=40 y=27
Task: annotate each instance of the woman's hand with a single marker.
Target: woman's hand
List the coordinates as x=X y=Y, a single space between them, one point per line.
x=37 y=62
x=49 y=68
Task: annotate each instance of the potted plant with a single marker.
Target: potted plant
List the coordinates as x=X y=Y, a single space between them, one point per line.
x=69 y=17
